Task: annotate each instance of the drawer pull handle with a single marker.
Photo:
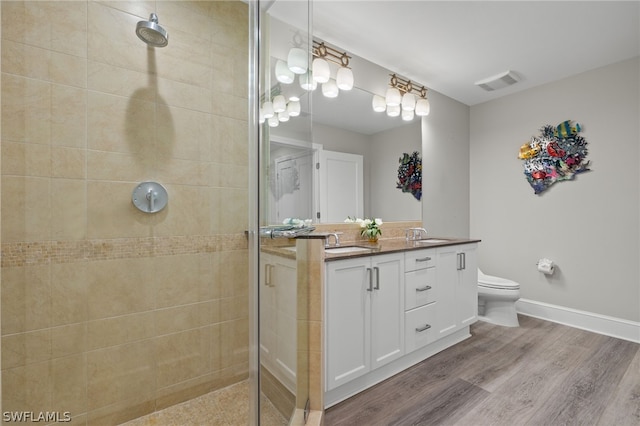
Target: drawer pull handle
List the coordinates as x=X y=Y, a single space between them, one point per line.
x=423 y=328
x=423 y=259
x=425 y=288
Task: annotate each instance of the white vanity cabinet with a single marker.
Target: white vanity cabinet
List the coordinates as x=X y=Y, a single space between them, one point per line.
x=364 y=315
x=457 y=277
x=420 y=281
x=278 y=324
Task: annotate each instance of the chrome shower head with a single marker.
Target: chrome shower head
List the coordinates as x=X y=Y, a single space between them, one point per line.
x=152 y=33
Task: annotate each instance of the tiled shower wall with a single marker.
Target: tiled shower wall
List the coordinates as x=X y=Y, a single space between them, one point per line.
x=107 y=312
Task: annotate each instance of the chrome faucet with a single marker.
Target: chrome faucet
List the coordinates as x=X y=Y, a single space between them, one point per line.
x=414 y=234
x=336 y=236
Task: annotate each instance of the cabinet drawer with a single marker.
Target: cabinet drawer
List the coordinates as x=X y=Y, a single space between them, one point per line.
x=420 y=327
x=420 y=288
x=419 y=259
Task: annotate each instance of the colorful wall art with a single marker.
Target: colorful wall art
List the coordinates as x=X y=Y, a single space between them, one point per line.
x=557 y=154
x=410 y=174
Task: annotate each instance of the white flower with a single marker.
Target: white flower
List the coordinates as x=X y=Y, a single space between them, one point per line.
x=378 y=221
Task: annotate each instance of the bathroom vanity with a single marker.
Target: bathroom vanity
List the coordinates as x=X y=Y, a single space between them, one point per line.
x=390 y=307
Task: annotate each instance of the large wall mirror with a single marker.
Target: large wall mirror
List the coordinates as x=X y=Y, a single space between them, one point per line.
x=342 y=185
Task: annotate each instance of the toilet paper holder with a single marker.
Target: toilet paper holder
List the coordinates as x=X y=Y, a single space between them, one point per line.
x=545 y=266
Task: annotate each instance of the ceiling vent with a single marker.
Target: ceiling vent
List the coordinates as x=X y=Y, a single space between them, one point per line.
x=499 y=81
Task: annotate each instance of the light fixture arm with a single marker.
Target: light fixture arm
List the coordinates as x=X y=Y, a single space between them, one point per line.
x=406 y=86
x=328 y=53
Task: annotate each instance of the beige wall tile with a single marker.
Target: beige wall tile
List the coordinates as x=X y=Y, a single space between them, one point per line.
x=118 y=124
x=114 y=80
x=182 y=318
x=69 y=289
x=26 y=348
x=119 y=330
x=117 y=166
x=67 y=23
x=69 y=116
x=183 y=95
x=120 y=374
x=68 y=340
x=26 y=299
x=183 y=134
x=112 y=39
x=68 y=379
x=26 y=110
x=68 y=209
x=182 y=356
x=187 y=212
x=230 y=144
x=118 y=287
x=111 y=214
x=229 y=209
x=30 y=388
x=178 y=280
x=68 y=162
x=26 y=159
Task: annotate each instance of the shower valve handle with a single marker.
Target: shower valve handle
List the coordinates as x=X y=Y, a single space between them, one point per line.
x=151 y=196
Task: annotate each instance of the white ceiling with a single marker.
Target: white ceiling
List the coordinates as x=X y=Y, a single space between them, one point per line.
x=449 y=45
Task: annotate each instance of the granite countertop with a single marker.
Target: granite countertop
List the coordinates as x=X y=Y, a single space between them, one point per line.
x=383 y=246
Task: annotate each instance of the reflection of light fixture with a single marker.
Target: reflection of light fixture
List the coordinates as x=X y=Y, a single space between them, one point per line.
x=283 y=73
x=307 y=82
x=293 y=108
x=402 y=93
x=378 y=103
x=297 y=61
x=330 y=89
x=324 y=54
x=279 y=104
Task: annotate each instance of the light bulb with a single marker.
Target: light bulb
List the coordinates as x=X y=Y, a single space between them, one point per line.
x=321 y=70
x=279 y=103
x=283 y=116
x=283 y=73
x=267 y=109
x=273 y=121
x=261 y=116
x=393 y=110
x=293 y=108
x=378 y=103
x=423 y=107
x=407 y=114
x=408 y=102
x=330 y=89
x=393 y=97
x=307 y=82
x=344 y=78
x=298 y=60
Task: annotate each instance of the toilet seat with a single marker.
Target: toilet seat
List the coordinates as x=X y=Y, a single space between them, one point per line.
x=498 y=283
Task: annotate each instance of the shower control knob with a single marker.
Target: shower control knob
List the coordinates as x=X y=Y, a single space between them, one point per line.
x=150 y=197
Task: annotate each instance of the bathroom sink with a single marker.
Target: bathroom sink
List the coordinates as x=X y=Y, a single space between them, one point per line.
x=350 y=249
x=431 y=241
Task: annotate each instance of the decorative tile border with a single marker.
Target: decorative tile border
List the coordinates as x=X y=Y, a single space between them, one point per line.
x=44 y=252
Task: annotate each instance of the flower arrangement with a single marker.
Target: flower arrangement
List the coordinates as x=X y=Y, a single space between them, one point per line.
x=370 y=227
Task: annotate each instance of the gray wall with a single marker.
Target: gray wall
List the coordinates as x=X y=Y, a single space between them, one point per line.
x=445 y=168
x=590 y=226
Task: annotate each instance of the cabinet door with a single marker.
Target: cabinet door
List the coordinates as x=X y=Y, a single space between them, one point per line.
x=267 y=309
x=348 y=319
x=284 y=278
x=467 y=290
x=447 y=273
x=387 y=309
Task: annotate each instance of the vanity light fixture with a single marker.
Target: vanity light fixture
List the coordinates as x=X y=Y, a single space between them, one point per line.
x=321 y=72
x=402 y=96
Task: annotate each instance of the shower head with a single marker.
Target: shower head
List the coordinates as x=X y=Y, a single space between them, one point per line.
x=152 y=33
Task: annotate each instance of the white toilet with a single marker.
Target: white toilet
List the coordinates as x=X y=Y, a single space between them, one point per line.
x=497 y=300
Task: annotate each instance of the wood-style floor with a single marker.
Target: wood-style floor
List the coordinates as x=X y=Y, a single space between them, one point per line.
x=541 y=373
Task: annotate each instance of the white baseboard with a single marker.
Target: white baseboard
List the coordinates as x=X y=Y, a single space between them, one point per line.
x=602 y=324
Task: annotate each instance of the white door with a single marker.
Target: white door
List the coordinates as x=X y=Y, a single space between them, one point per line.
x=341 y=186
x=467 y=291
x=284 y=278
x=447 y=273
x=294 y=187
